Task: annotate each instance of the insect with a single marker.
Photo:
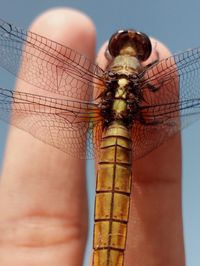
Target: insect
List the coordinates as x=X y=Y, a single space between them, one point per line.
x=126 y=111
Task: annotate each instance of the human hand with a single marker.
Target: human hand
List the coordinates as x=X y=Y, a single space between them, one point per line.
x=43 y=200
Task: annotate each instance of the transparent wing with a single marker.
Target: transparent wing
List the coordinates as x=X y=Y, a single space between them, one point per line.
x=61 y=123
x=171 y=90
x=48 y=65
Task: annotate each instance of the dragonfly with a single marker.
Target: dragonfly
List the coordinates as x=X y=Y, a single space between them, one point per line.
x=126 y=111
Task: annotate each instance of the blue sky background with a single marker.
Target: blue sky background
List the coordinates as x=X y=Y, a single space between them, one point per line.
x=174 y=22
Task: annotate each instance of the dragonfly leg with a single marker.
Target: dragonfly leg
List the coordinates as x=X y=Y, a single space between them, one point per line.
x=153 y=88
x=153 y=62
x=152 y=122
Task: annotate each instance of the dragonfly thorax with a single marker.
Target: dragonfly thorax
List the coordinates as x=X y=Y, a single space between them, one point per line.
x=125 y=65
x=121 y=99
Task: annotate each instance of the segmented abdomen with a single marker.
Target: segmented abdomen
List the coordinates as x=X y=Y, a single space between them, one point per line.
x=112 y=197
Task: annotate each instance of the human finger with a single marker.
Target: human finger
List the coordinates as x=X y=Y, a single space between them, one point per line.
x=156 y=197
x=43 y=200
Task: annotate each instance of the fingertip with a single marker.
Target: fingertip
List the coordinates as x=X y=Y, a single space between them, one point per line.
x=69 y=27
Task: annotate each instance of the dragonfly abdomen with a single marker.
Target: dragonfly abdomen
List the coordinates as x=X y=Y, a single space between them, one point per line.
x=112 y=196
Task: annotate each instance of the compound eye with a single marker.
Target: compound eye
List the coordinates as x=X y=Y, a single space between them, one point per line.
x=138 y=40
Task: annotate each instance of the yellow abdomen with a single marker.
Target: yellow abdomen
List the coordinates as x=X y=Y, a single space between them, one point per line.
x=112 y=196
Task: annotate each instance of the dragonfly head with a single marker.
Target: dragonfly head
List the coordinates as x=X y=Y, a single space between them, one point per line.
x=129 y=42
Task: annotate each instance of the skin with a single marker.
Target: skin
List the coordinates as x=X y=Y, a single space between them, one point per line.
x=43 y=199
